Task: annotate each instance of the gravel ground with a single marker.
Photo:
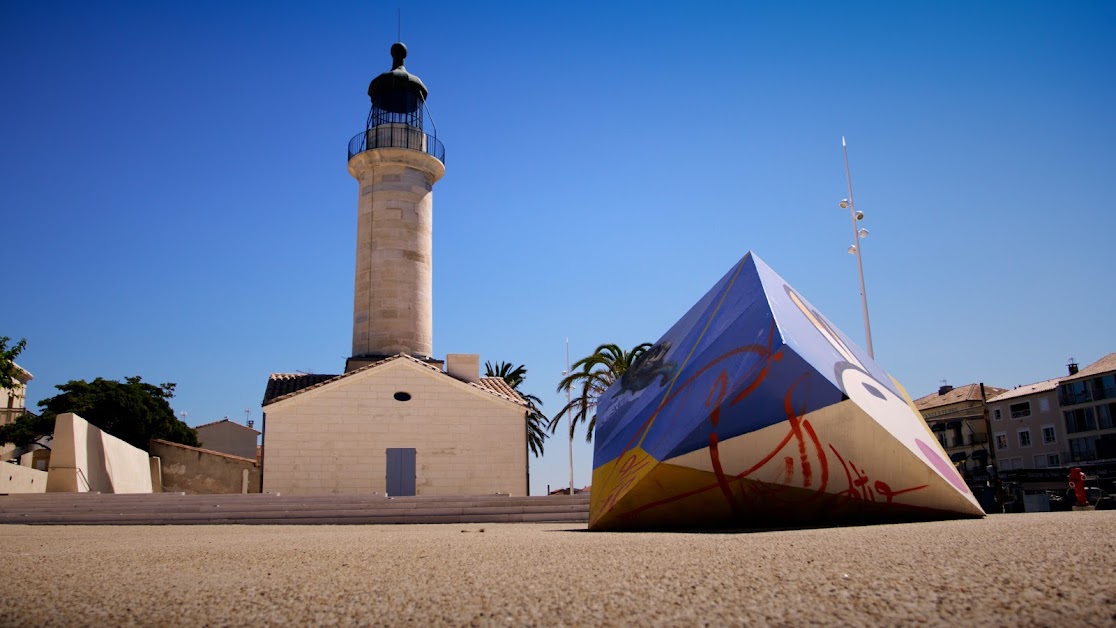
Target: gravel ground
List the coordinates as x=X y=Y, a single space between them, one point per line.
x=1034 y=569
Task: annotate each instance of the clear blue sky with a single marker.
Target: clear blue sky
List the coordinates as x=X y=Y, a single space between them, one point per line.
x=176 y=203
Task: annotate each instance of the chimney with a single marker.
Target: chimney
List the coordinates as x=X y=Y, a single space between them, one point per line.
x=1072 y=366
x=944 y=388
x=463 y=366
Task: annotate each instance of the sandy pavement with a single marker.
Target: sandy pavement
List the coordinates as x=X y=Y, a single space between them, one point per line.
x=1033 y=569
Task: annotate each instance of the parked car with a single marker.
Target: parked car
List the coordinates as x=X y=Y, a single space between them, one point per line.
x=1093 y=494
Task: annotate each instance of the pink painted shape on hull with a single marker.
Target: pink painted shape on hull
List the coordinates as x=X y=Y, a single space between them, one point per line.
x=944 y=467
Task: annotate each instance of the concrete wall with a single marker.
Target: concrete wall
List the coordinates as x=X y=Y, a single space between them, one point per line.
x=15 y=478
x=85 y=459
x=194 y=471
x=229 y=438
x=334 y=439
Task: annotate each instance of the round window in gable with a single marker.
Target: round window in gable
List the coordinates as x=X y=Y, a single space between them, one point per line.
x=402 y=396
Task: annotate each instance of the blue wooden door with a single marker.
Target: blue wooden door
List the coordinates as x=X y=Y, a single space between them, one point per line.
x=400 y=472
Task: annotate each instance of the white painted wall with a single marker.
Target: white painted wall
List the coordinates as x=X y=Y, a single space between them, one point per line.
x=334 y=439
x=85 y=459
x=15 y=478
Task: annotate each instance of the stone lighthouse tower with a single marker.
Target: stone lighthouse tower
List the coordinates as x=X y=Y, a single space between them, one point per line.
x=396 y=163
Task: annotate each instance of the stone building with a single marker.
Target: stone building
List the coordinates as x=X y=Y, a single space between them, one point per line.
x=12 y=399
x=229 y=437
x=400 y=426
x=1088 y=404
x=398 y=420
x=36 y=455
x=1026 y=427
x=956 y=416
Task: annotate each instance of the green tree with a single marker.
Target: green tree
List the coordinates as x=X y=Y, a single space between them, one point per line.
x=133 y=410
x=588 y=378
x=514 y=376
x=8 y=369
x=26 y=429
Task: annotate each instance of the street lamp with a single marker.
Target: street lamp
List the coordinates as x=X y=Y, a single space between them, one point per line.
x=858 y=233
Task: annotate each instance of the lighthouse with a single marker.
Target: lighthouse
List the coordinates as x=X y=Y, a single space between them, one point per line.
x=398 y=421
x=396 y=161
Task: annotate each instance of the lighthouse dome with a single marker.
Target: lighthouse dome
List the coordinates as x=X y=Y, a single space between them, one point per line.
x=397 y=91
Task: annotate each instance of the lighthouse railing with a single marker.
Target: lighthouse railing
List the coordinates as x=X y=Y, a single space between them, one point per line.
x=397 y=136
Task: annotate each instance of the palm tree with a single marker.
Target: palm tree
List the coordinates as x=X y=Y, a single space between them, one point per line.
x=514 y=376
x=588 y=378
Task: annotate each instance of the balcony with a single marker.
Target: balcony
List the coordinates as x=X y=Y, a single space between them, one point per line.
x=397 y=136
x=1073 y=394
x=1101 y=393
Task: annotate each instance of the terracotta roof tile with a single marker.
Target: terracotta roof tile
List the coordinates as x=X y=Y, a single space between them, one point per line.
x=1026 y=389
x=498 y=386
x=1103 y=365
x=968 y=392
x=285 y=385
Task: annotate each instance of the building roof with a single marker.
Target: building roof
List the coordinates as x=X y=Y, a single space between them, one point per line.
x=968 y=392
x=22 y=374
x=1103 y=365
x=1027 y=389
x=283 y=384
x=198 y=427
x=498 y=386
x=286 y=385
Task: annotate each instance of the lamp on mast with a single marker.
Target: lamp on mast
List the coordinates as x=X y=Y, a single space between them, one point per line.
x=859 y=233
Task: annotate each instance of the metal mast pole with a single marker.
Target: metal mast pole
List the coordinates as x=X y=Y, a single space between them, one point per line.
x=859 y=259
x=569 y=415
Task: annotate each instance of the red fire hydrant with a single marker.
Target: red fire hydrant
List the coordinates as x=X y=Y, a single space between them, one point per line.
x=1077 y=483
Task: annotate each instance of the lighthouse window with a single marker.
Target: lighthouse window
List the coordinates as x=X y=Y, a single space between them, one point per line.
x=402 y=396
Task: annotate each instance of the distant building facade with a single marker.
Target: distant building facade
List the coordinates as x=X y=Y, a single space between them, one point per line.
x=1088 y=405
x=13 y=398
x=1027 y=428
x=228 y=437
x=13 y=407
x=956 y=417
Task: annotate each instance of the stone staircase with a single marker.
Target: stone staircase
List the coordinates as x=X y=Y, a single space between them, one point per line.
x=260 y=509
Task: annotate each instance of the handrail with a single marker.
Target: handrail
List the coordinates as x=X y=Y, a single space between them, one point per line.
x=88 y=485
x=397 y=136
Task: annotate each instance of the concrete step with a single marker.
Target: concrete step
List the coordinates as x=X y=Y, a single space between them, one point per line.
x=200 y=504
x=179 y=509
x=152 y=498
x=326 y=518
x=294 y=509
